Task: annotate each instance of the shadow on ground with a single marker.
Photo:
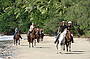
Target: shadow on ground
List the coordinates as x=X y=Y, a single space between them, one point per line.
x=24 y=45
x=75 y=52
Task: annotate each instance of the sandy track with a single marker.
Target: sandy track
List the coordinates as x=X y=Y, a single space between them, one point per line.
x=47 y=50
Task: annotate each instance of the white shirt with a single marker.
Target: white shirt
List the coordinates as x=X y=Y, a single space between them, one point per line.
x=31 y=28
x=16 y=29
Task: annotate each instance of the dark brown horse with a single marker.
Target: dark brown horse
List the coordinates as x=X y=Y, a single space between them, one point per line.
x=17 y=38
x=41 y=34
x=31 y=38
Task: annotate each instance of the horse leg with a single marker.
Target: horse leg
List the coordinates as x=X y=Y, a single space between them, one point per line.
x=67 y=46
x=70 y=47
x=14 y=41
x=63 y=47
x=32 y=43
x=38 y=40
x=35 y=42
x=19 y=42
x=57 y=47
x=29 y=45
x=42 y=38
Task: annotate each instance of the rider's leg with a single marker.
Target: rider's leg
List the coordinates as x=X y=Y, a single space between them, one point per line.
x=57 y=38
x=72 y=39
x=14 y=34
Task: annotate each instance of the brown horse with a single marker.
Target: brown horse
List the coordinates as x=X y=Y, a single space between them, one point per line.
x=31 y=37
x=37 y=34
x=68 y=41
x=17 y=38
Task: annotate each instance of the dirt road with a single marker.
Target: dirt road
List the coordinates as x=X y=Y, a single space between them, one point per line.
x=47 y=50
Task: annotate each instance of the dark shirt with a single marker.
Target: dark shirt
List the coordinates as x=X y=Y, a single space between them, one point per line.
x=69 y=28
x=62 y=28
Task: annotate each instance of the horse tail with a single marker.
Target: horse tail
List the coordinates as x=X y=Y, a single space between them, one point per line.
x=20 y=36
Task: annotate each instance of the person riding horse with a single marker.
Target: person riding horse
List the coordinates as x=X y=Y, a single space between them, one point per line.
x=17 y=36
x=61 y=29
x=31 y=28
x=16 y=31
x=69 y=27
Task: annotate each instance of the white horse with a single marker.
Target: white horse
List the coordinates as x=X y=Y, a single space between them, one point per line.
x=61 y=40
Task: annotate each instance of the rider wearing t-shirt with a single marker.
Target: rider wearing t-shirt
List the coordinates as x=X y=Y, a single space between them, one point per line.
x=31 y=28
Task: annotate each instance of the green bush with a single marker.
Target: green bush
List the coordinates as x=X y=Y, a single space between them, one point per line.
x=45 y=14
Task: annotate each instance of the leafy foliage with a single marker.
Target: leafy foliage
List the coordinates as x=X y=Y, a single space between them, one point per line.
x=44 y=13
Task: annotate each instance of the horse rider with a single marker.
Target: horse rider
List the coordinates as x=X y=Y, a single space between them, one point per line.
x=31 y=28
x=69 y=27
x=60 y=30
x=16 y=31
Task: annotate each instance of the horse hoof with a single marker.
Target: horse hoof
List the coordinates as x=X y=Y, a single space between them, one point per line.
x=60 y=52
x=29 y=47
x=57 y=53
x=63 y=49
x=69 y=50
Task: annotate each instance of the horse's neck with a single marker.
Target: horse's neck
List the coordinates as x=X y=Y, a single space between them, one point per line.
x=64 y=32
x=68 y=35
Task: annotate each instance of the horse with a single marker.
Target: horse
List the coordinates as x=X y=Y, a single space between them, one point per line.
x=31 y=37
x=37 y=34
x=64 y=39
x=68 y=41
x=41 y=34
x=17 y=38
